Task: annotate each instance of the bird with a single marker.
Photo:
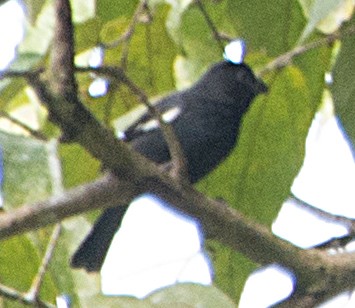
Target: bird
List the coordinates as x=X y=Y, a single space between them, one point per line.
x=205 y=118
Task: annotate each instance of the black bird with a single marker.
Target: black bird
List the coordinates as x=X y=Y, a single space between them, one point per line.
x=206 y=120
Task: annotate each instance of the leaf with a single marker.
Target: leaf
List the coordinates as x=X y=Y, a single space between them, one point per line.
x=39 y=36
x=173 y=22
x=10 y=88
x=231 y=269
x=108 y=10
x=26 y=162
x=325 y=15
x=257 y=177
x=190 y=295
x=99 y=300
x=87 y=34
x=77 y=165
x=19 y=260
x=343 y=88
x=83 y=10
x=28 y=178
x=149 y=65
x=75 y=283
x=34 y=8
x=314 y=64
x=151 y=55
x=199 y=46
x=269 y=26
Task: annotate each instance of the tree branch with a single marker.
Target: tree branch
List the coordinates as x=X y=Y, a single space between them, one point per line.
x=62 y=79
x=94 y=195
x=316 y=271
x=286 y=58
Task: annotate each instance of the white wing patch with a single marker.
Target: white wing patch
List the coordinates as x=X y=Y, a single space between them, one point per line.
x=168 y=117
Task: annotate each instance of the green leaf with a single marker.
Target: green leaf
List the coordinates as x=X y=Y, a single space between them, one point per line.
x=26 y=161
x=34 y=8
x=269 y=26
x=151 y=55
x=87 y=34
x=326 y=15
x=150 y=62
x=257 y=177
x=107 y=9
x=199 y=46
x=28 y=177
x=314 y=64
x=190 y=295
x=19 y=261
x=343 y=88
x=231 y=269
x=39 y=36
x=99 y=300
x=75 y=283
x=174 y=19
x=83 y=10
x=10 y=88
x=25 y=61
x=77 y=165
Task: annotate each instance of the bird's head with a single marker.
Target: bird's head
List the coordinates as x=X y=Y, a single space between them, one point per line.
x=229 y=81
x=234 y=79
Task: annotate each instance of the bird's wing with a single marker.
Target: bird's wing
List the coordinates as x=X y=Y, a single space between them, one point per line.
x=169 y=108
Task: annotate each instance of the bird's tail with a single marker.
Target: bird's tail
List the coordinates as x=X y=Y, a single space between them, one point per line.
x=92 y=251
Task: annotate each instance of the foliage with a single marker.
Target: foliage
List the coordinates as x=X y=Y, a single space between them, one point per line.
x=167 y=45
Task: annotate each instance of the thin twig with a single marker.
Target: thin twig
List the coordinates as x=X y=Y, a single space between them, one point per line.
x=15 y=295
x=127 y=35
x=36 y=134
x=33 y=293
x=348 y=222
x=216 y=34
x=20 y=74
x=141 y=8
x=286 y=58
x=130 y=30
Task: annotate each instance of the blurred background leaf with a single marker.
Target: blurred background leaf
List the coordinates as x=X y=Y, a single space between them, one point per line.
x=26 y=161
x=343 y=89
